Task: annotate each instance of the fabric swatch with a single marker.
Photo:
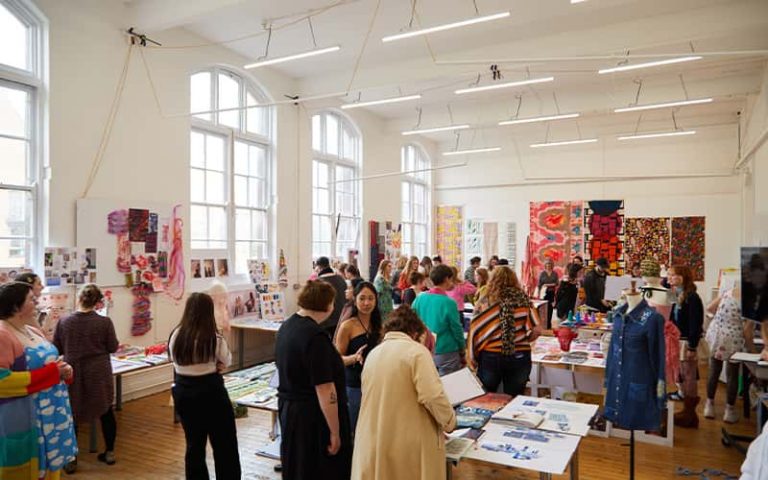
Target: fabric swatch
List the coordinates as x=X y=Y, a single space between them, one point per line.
x=688 y=244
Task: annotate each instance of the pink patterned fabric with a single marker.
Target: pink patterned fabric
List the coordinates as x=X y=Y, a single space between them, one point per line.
x=556 y=234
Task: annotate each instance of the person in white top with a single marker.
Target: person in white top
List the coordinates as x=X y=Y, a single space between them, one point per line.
x=199 y=354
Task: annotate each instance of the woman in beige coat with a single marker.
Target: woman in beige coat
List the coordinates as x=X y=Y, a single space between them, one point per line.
x=404 y=409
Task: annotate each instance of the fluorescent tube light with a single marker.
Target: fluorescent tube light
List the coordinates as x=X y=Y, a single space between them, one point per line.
x=663 y=105
x=447 y=26
x=578 y=1
x=436 y=129
x=567 y=142
x=539 y=119
x=669 y=61
x=504 y=85
x=657 y=135
x=296 y=56
x=474 y=150
x=381 y=102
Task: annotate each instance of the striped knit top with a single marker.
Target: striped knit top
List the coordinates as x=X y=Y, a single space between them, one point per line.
x=485 y=331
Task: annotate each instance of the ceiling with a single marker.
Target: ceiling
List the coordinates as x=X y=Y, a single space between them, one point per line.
x=540 y=38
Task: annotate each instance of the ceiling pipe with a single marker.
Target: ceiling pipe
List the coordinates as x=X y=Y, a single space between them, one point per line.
x=752 y=149
x=397 y=174
x=581 y=58
x=537 y=181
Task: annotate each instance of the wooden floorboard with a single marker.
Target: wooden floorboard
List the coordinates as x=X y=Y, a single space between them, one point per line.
x=151 y=447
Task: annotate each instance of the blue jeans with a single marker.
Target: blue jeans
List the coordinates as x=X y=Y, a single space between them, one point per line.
x=512 y=370
x=447 y=363
x=354 y=397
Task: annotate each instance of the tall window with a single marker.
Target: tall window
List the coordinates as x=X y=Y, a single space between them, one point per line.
x=230 y=166
x=21 y=141
x=415 y=200
x=335 y=186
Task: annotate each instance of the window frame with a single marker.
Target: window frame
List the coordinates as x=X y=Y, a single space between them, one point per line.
x=33 y=82
x=334 y=161
x=409 y=181
x=231 y=137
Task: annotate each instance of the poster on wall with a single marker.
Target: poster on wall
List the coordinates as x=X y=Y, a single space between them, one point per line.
x=491 y=240
x=510 y=243
x=647 y=238
x=688 y=244
x=258 y=270
x=282 y=270
x=473 y=239
x=9 y=274
x=54 y=306
x=604 y=233
x=393 y=243
x=449 y=235
x=243 y=304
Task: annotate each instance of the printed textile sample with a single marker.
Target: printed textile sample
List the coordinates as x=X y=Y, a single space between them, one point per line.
x=117 y=222
x=646 y=238
x=604 y=233
x=490 y=240
x=473 y=240
x=138 y=225
x=449 y=235
x=555 y=233
x=510 y=239
x=688 y=244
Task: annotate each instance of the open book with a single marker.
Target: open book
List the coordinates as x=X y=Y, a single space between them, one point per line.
x=457 y=447
x=520 y=418
x=461 y=386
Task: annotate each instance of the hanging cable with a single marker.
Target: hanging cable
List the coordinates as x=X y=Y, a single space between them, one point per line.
x=682 y=83
x=637 y=124
x=477 y=10
x=413 y=14
x=312 y=31
x=151 y=82
x=519 y=104
x=418 y=118
x=362 y=48
x=107 y=133
x=458 y=137
x=450 y=113
x=639 y=87
x=557 y=105
x=269 y=40
x=674 y=120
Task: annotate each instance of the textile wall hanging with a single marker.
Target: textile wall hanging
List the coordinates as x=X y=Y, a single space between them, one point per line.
x=473 y=239
x=510 y=243
x=555 y=233
x=490 y=240
x=449 y=235
x=604 y=233
x=688 y=244
x=646 y=238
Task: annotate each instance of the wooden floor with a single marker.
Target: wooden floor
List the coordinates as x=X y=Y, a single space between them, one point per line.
x=151 y=447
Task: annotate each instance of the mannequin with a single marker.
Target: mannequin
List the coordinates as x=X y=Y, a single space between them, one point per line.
x=634 y=297
x=659 y=298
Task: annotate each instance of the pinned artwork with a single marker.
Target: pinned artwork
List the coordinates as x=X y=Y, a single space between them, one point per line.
x=196 y=268
x=138 y=225
x=473 y=239
x=555 y=234
x=69 y=266
x=142 y=310
x=222 y=267
x=510 y=243
x=54 y=306
x=117 y=222
x=449 y=235
x=688 y=244
x=393 y=243
x=604 y=233
x=272 y=305
x=9 y=274
x=259 y=271
x=282 y=270
x=490 y=239
x=243 y=304
x=208 y=269
x=647 y=238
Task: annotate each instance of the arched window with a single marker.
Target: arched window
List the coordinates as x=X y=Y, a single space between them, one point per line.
x=22 y=30
x=415 y=191
x=335 y=186
x=230 y=166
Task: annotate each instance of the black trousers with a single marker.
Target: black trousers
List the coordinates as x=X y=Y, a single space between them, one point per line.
x=108 y=429
x=206 y=414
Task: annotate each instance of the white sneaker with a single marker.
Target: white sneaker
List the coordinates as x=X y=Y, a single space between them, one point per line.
x=709 y=409
x=730 y=415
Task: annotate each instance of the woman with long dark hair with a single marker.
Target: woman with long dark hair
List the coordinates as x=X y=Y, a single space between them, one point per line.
x=199 y=353
x=688 y=316
x=355 y=339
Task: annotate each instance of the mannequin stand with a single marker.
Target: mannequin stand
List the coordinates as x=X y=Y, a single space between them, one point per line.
x=631 y=455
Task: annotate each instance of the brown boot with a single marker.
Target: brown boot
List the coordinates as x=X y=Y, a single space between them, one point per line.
x=688 y=418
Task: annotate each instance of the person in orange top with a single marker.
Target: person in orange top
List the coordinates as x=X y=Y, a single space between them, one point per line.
x=405 y=276
x=500 y=335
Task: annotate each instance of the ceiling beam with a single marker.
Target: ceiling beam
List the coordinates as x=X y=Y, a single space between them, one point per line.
x=148 y=16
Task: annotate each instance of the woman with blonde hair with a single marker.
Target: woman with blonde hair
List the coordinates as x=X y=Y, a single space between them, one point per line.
x=405 y=277
x=384 y=288
x=500 y=335
x=481 y=280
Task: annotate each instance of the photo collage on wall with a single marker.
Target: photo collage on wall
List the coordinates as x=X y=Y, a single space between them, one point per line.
x=69 y=266
x=209 y=267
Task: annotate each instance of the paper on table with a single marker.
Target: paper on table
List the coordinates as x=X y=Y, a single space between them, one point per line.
x=559 y=416
x=461 y=386
x=745 y=357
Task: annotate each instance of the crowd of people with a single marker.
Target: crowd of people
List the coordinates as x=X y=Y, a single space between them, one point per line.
x=358 y=363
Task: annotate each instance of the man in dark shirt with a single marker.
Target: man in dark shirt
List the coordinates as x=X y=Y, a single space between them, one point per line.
x=469 y=273
x=326 y=274
x=594 y=286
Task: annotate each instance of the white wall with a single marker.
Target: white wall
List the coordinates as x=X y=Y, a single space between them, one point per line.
x=755 y=126
x=148 y=154
x=493 y=187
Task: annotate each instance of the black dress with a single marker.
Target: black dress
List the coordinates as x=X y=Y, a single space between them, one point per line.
x=305 y=358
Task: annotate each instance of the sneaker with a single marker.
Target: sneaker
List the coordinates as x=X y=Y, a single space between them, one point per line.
x=107 y=457
x=709 y=409
x=730 y=415
x=676 y=396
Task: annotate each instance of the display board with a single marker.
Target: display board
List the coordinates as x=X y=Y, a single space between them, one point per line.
x=449 y=235
x=555 y=234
